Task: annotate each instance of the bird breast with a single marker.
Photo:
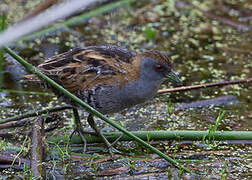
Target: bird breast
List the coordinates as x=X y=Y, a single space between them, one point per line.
x=114 y=99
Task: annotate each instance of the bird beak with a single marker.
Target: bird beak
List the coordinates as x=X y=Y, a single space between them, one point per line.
x=174 y=77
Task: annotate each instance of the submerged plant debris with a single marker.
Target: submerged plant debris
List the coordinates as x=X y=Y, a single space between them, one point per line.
x=208 y=41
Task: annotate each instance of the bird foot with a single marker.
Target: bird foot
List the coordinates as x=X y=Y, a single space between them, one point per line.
x=110 y=147
x=111 y=150
x=80 y=131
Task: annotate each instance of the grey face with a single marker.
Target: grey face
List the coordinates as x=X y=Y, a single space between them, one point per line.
x=155 y=71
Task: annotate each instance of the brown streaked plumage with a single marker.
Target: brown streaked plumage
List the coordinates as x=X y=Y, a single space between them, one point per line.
x=80 y=68
x=109 y=78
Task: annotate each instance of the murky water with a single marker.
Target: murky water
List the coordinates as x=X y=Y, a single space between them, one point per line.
x=204 y=49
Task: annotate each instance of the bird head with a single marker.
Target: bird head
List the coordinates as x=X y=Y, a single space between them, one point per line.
x=157 y=66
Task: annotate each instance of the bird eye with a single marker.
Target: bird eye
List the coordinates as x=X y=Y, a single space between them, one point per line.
x=159 y=67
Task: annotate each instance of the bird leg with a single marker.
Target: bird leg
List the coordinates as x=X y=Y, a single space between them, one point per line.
x=79 y=128
x=92 y=123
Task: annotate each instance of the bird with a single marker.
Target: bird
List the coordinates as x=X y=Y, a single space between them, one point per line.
x=109 y=78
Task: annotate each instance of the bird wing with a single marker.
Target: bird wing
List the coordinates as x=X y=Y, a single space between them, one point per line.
x=83 y=69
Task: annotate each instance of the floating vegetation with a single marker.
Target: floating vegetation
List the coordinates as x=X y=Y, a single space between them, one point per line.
x=208 y=41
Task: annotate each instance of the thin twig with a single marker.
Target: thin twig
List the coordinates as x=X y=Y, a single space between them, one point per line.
x=35 y=113
x=16 y=123
x=37 y=149
x=8 y=159
x=186 y=88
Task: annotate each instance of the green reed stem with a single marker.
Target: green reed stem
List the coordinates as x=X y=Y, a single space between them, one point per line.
x=2 y=27
x=162 y=136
